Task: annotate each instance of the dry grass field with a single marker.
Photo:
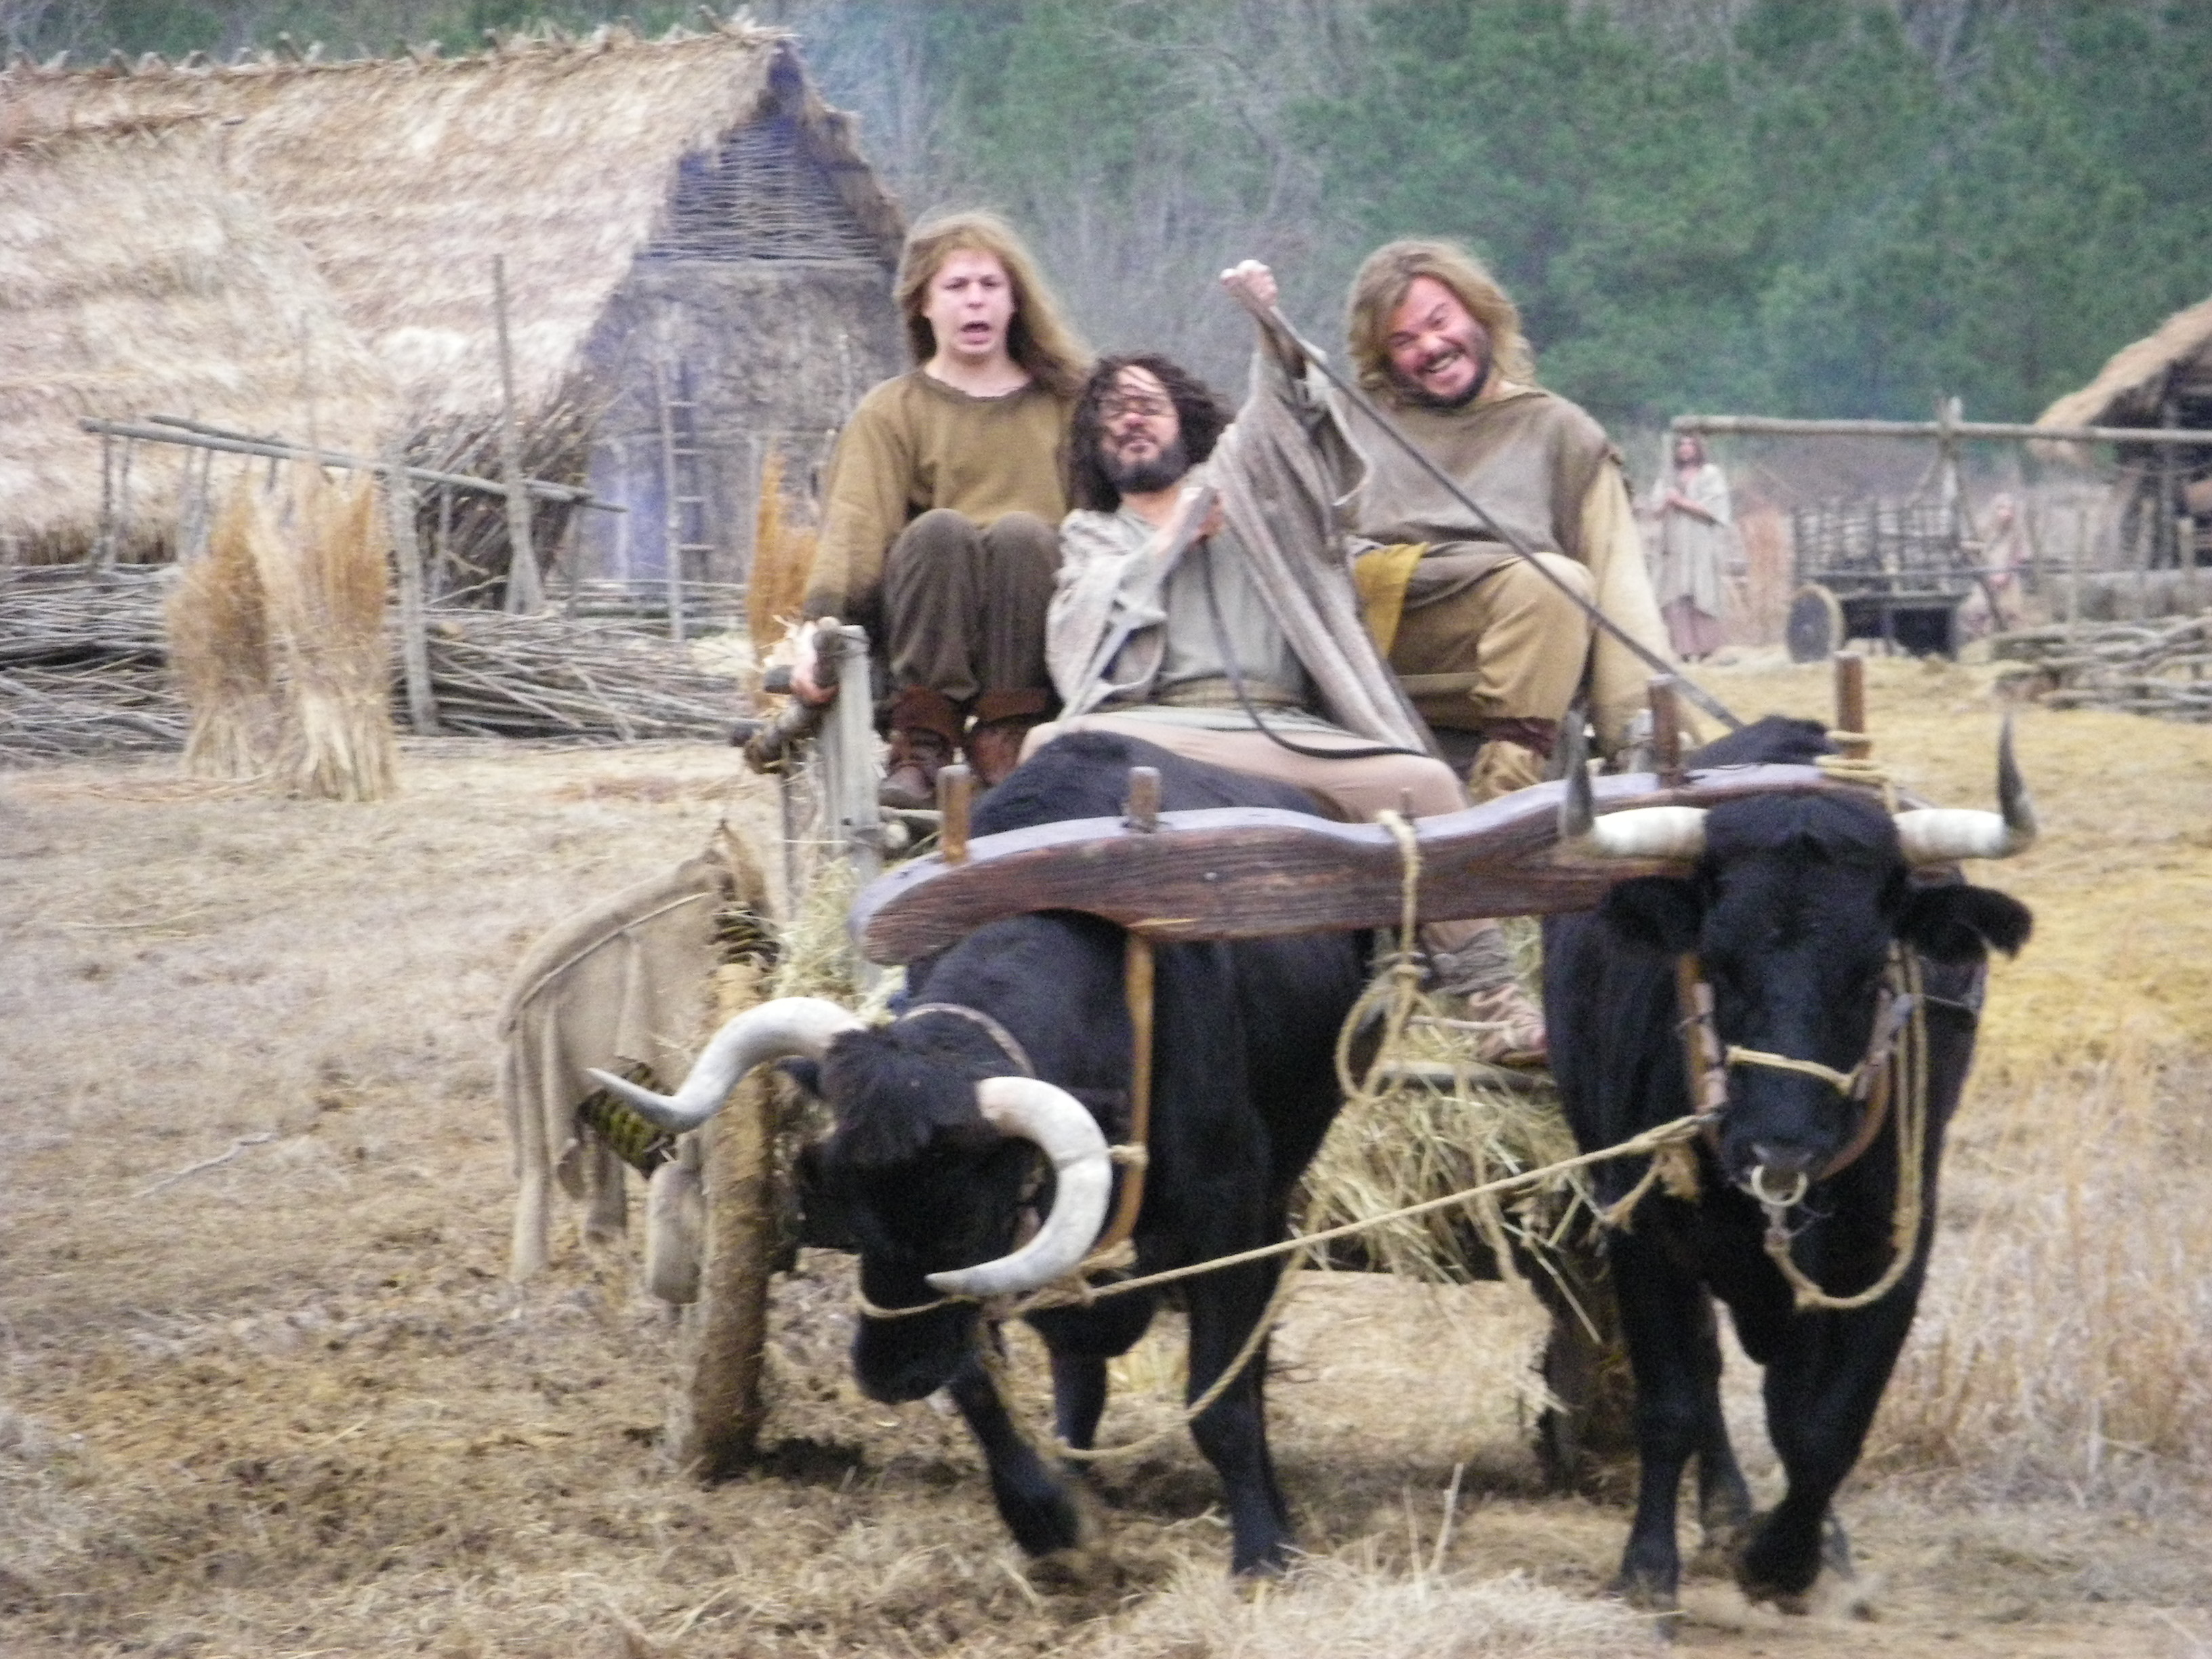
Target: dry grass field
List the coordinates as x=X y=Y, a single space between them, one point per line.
x=265 y=1389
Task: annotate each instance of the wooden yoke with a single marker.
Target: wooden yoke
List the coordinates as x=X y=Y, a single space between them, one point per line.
x=1250 y=872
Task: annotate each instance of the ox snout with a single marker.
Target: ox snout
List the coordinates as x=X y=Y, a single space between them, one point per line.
x=898 y=1360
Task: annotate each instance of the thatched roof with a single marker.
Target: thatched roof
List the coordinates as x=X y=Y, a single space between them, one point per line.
x=2132 y=387
x=135 y=280
x=402 y=178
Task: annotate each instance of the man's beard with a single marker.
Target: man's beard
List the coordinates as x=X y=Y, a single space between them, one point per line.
x=1163 y=471
x=1416 y=393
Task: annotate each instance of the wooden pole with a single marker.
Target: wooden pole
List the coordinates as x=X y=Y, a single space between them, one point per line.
x=955 y=790
x=414 y=632
x=525 y=593
x=1851 y=706
x=168 y=429
x=103 y=550
x=1666 y=729
x=442 y=562
x=671 y=512
x=1963 y=431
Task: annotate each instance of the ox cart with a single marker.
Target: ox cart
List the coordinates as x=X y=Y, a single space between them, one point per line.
x=723 y=1212
x=1893 y=571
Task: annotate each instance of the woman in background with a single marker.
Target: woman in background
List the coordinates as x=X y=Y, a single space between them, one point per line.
x=1696 y=550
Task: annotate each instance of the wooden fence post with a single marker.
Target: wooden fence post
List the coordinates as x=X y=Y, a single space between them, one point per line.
x=414 y=629
x=525 y=593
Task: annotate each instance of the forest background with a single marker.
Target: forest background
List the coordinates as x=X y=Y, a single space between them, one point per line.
x=1791 y=207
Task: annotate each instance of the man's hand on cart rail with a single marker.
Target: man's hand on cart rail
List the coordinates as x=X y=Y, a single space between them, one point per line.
x=804 y=660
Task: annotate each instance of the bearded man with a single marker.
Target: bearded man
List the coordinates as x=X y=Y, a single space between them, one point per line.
x=1203 y=604
x=1489 y=651
x=939 y=532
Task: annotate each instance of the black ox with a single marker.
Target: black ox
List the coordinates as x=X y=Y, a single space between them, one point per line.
x=934 y=1161
x=1792 y=906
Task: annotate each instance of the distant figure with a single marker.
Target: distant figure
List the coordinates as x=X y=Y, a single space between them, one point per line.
x=1698 y=550
x=2004 y=554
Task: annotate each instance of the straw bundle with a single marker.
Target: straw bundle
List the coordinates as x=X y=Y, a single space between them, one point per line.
x=784 y=535
x=217 y=628
x=324 y=582
x=1433 y=1122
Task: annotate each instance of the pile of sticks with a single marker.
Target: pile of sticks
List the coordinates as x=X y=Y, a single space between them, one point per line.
x=498 y=676
x=2155 y=667
x=83 y=667
x=84 y=671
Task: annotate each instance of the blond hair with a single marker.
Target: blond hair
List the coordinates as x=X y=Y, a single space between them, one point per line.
x=1380 y=289
x=1039 y=338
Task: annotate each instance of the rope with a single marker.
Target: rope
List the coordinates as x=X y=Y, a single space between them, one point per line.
x=1910 y=1111
x=1859 y=767
x=1843 y=1082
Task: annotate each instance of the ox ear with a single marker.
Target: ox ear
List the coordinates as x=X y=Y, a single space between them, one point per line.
x=1662 y=912
x=1959 y=924
x=807 y=1073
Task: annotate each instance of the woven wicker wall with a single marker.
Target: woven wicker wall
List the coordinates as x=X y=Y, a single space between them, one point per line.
x=773 y=353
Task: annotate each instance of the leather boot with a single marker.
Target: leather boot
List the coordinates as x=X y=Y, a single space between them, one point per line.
x=1003 y=721
x=1515 y=753
x=1476 y=983
x=925 y=736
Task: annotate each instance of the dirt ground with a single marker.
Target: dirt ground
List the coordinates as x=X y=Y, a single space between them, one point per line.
x=265 y=1390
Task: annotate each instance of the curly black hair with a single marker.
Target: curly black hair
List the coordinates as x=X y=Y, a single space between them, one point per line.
x=1202 y=411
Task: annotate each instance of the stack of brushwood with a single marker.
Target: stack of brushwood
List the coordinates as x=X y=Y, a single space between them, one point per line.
x=498 y=676
x=85 y=671
x=2155 y=666
x=83 y=666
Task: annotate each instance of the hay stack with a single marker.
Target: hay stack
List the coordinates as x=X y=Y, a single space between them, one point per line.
x=323 y=580
x=217 y=625
x=784 y=535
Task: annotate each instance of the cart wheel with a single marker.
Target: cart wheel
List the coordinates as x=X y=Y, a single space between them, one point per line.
x=1815 y=628
x=719 y=1410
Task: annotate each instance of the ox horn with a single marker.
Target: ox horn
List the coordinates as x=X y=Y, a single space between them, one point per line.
x=1931 y=834
x=775 y=1030
x=1674 y=834
x=1083 y=1177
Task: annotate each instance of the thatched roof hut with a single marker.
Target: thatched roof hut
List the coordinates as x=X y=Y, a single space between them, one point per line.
x=682 y=214
x=134 y=280
x=2164 y=380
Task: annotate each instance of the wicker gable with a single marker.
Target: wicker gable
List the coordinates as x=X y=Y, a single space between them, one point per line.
x=761 y=196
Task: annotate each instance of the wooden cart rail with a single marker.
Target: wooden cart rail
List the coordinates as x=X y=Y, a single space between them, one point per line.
x=1247 y=872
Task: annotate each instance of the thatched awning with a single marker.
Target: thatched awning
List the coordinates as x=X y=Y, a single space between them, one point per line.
x=404 y=177
x=134 y=281
x=2132 y=387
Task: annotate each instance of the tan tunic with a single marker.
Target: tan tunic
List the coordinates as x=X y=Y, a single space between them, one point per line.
x=1542 y=468
x=915 y=444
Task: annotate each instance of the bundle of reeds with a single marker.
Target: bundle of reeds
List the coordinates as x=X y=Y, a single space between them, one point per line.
x=323 y=580
x=784 y=537
x=217 y=626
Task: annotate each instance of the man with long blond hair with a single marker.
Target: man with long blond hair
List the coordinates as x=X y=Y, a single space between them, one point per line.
x=940 y=525
x=1488 y=650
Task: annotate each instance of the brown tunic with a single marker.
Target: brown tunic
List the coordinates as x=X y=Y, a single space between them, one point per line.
x=1529 y=457
x=915 y=444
